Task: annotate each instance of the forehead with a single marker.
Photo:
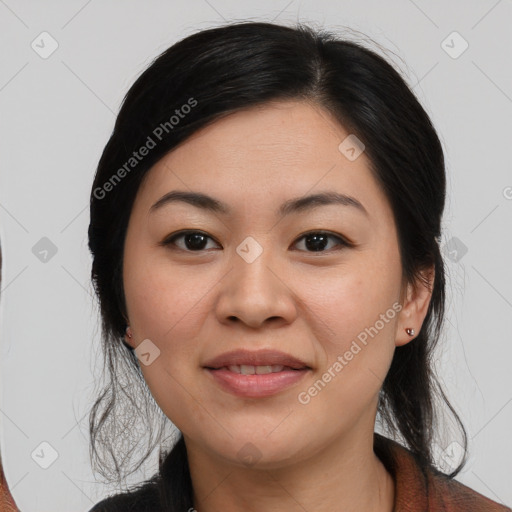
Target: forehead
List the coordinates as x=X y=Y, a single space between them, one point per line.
x=266 y=154
x=287 y=130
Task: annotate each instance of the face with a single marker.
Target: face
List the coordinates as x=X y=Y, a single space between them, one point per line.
x=310 y=293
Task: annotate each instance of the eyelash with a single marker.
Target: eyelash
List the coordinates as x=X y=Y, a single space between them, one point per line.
x=170 y=240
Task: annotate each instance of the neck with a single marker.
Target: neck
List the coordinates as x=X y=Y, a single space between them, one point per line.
x=345 y=476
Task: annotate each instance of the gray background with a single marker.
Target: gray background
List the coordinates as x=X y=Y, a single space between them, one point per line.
x=56 y=116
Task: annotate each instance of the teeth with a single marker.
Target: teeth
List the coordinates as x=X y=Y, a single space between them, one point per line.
x=246 y=369
x=261 y=370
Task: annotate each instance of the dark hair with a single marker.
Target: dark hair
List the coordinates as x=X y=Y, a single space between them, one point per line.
x=223 y=70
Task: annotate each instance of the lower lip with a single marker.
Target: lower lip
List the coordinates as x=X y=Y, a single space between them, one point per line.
x=256 y=386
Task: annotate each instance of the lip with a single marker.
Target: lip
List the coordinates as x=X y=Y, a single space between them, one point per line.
x=257 y=385
x=255 y=358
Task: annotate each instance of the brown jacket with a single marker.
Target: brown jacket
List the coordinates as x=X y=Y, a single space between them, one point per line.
x=6 y=502
x=427 y=490
x=416 y=490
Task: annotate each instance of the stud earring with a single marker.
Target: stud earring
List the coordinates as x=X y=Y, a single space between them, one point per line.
x=128 y=332
x=409 y=331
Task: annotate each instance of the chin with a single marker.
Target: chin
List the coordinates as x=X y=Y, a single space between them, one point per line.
x=257 y=451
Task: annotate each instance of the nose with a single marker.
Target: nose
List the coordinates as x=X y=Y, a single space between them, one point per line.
x=256 y=292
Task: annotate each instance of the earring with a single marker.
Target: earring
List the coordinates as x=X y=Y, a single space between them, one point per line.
x=128 y=332
x=409 y=331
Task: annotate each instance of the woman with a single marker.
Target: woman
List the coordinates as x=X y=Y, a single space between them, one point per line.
x=265 y=227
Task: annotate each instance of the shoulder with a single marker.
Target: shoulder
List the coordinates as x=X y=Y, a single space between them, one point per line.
x=142 y=499
x=420 y=487
x=453 y=495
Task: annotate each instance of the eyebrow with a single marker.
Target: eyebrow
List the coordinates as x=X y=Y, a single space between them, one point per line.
x=290 y=206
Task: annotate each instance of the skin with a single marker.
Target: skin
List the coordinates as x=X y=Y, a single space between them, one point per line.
x=194 y=305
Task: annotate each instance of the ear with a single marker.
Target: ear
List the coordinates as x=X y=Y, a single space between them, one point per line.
x=128 y=337
x=415 y=300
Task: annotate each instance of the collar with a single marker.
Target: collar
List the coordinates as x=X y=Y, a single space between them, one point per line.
x=411 y=481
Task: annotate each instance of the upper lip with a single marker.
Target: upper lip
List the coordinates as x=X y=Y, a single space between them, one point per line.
x=255 y=358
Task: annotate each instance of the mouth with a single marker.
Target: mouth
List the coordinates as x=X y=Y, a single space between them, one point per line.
x=248 y=359
x=246 y=369
x=260 y=374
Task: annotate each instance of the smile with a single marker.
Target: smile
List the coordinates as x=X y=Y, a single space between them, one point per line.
x=256 y=381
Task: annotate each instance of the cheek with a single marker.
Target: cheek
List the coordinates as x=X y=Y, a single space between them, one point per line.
x=168 y=306
x=163 y=302
x=348 y=301
x=355 y=314
x=164 y=310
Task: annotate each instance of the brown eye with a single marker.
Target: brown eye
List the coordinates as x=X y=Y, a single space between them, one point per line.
x=317 y=241
x=193 y=241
